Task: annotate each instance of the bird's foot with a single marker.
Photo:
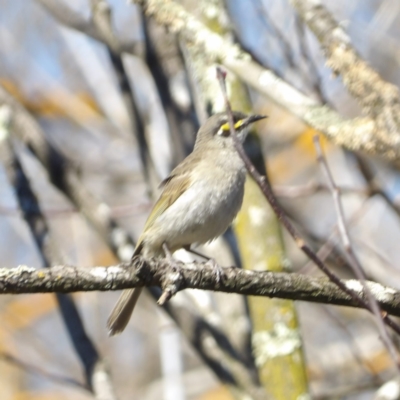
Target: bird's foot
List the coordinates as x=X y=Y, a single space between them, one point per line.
x=168 y=254
x=189 y=249
x=173 y=282
x=217 y=270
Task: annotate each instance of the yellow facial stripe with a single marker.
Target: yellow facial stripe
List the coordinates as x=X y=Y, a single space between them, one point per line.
x=225 y=127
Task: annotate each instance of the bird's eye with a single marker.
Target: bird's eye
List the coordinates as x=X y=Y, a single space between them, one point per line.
x=224 y=131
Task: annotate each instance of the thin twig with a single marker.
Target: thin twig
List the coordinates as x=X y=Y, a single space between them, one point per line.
x=165 y=62
x=270 y=25
x=101 y=16
x=311 y=188
x=31 y=211
x=313 y=72
x=67 y=16
x=265 y=187
x=329 y=245
x=375 y=187
x=362 y=133
x=355 y=348
x=65 y=177
x=351 y=255
x=33 y=369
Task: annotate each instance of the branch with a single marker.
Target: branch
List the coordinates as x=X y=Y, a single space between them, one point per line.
x=361 y=134
x=374 y=94
x=165 y=62
x=74 y=20
x=312 y=187
x=39 y=371
x=28 y=202
x=195 y=275
x=266 y=189
x=102 y=19
x=350 y=253
x=379 y=99
x=64 y=176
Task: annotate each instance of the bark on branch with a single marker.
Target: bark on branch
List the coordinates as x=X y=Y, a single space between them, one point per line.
x=363 y=82
x=195 y=275
x=373 y=133
x=70 y=18
x=379 y=99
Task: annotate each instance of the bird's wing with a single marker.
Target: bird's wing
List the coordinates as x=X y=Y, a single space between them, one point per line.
x=173 y=186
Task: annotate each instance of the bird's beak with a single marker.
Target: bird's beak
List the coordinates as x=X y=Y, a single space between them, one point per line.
x=243 y=125
x=252 y=118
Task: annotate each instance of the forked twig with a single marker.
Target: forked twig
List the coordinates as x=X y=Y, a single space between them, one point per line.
x=265 y=187
x=39 y=371
x=351 y=255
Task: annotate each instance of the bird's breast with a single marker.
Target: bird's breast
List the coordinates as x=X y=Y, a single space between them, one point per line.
x=203 y=212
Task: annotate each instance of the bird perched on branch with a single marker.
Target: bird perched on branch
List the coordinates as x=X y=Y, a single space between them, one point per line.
x=198 y=202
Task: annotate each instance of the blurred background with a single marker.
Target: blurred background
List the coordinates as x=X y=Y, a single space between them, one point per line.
x=118 y=100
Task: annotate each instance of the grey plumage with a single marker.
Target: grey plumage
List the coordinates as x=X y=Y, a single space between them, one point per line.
x=199 y=200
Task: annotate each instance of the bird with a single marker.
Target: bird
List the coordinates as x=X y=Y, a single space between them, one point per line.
x=199 y=200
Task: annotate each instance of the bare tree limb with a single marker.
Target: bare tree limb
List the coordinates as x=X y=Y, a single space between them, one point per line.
x=30 y=207
x=374 y=183
x=329 y=243
x=101 y=17
x=352 y=258
x=313 y=187
x=378 y=98
x=39 y=371
x=195 y=275
x=266 y=189
x=65 y=177
x=165 y=62
x=72 y=19
x=361 y=134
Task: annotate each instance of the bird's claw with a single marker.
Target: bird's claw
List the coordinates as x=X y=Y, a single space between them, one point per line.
x=217 y=270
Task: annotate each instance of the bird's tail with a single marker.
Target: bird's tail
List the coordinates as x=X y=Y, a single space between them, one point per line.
x=123 y=309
